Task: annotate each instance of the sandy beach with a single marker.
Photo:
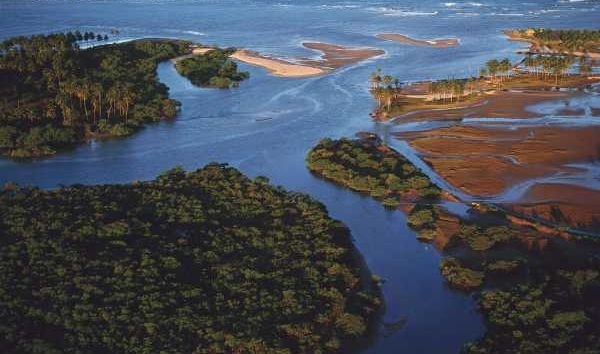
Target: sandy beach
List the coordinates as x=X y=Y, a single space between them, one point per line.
x=332 y=57
x=434 y=43
x=277 y=66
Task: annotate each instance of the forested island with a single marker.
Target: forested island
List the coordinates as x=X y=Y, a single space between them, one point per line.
x=537 y=287
x=212 y=69
x=366 y=165
x=54 y=94
x=200 y=262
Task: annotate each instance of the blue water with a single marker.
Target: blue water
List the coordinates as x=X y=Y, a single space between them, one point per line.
x=266 y=126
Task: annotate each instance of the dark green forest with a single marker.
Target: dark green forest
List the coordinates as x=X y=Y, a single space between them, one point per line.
x=368 y=166
x=54 y=94
x=200 y=262
x=537 y=291
x=212 y=69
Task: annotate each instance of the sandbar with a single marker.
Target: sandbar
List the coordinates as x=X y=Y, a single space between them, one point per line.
x=331 y=57
x=434 y=43
x=276 y=66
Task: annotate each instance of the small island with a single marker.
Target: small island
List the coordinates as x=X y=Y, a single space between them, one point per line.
x=536 y=285
x=366 y=165
x=211 y=67
x=56 y=95
x=205 y=262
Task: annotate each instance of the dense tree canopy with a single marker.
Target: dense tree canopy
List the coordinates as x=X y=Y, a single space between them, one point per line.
x=368 y=166
x=567 y=40
x=53 y=94
x=201 y=262
x=213 y=69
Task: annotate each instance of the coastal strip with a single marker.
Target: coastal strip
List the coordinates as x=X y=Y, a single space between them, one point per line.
x=434 y=43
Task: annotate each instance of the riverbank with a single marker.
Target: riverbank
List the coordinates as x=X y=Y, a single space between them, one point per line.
x=434 y=43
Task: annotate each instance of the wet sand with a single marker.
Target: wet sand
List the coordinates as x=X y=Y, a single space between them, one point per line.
x=335 y=56
x=485 y=161
x=562 y=204
x=332 y=57
x=434 y=43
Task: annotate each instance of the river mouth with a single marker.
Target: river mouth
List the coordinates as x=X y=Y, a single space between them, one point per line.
x=267 y=125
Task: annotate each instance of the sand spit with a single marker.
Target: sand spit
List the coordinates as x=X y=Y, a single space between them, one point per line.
x=435 y=43
x=276 y=66
x=332 y=57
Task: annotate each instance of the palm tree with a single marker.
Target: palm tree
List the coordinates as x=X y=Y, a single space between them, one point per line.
x=376 y=78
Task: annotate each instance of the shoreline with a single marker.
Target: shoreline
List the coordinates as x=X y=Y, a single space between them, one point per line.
x=433 y=43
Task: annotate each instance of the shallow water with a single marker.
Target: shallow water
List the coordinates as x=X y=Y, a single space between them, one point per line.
x=266 y=126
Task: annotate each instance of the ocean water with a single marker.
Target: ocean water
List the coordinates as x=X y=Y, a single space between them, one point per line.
x=266 y=126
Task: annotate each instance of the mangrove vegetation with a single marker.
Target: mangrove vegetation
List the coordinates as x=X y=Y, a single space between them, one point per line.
x=200 y=262
x=212 y=69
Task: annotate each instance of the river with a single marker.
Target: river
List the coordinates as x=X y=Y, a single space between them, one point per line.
x=266 y=126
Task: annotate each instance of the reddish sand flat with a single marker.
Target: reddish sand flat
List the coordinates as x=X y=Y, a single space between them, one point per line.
x=562 y=204
x=435 y=43
x=485 y=161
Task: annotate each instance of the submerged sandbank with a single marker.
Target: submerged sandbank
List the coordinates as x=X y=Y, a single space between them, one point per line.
x=434 y=43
